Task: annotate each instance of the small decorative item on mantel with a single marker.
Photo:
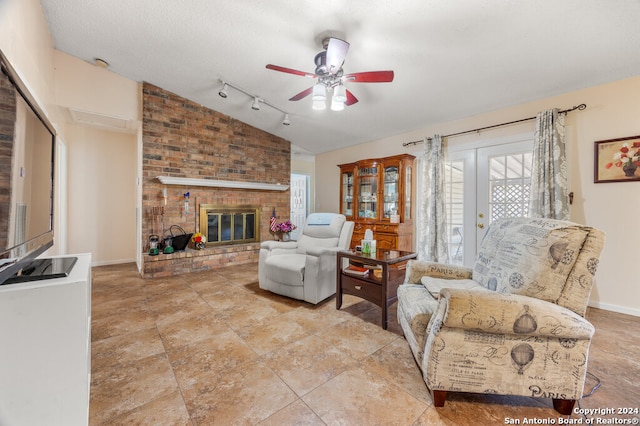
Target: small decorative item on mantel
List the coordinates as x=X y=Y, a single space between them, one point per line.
x=284 y=228
x=199 y=240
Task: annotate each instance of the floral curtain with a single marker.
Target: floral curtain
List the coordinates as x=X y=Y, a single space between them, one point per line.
x=549 y=175
x=431 y=214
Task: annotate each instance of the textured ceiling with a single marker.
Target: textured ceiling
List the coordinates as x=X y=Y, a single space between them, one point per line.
x=452 y=58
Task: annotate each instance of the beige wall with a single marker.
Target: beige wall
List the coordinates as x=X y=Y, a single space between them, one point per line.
x=102 y=194
x=86 y=87
x=102 y=173
x=612 y=111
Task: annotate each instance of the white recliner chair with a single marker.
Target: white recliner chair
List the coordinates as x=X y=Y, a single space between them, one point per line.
x=306 y=269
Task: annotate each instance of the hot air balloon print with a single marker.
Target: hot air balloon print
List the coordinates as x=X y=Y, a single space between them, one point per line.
x=525 y=323
x=522 y=355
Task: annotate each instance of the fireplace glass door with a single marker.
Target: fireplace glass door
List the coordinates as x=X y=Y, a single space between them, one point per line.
x=228 y=224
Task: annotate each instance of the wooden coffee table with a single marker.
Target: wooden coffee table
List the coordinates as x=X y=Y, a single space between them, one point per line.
x=380 y=288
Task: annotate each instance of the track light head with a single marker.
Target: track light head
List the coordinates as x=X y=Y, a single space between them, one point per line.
x=286 y=121
x=256 y=104
x=223 y=91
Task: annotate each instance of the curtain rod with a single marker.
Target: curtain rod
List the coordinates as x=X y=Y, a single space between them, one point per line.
x=578 y=107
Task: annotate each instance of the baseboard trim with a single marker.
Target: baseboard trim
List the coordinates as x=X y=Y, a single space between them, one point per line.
x=616 y=308
x=112 y=262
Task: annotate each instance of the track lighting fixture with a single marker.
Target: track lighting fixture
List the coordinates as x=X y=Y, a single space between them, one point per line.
x=255 y=105
x=223 y=91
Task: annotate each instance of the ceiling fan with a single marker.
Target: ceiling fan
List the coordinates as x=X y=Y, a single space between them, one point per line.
x=331 y=77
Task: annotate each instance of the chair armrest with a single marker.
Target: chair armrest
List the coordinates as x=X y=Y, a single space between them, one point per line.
x=272 y=245
x=500 y=313
x=319 y=251
x=416 y=269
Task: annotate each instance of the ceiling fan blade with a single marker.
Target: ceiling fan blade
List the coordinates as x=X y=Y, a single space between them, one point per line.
x=290 y=71
x=336 y=53
x=350 y=99
x=302 y=94
x=369 y=77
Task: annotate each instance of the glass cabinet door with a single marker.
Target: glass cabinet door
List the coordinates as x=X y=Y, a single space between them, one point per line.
x=391 y=191
x=347 y=193
x=368 y=192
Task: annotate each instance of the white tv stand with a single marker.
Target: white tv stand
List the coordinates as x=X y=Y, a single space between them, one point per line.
x=45 y=349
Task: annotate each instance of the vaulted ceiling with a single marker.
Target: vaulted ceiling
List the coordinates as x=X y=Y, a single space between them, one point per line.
x=452 y=58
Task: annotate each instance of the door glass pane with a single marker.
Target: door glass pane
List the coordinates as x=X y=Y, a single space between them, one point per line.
x=407 y=194
x=300 y=201
x=454 y=205
x=509 y=186
x=212 y=227
x=249 y=226
x=238 y=226
x=225 y=227
x=368 y=193
x=391 y=189
x=347 y=194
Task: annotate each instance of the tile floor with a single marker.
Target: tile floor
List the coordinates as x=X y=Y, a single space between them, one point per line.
x=213 y=348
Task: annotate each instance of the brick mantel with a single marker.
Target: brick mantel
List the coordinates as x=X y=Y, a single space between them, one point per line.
x=187 y=145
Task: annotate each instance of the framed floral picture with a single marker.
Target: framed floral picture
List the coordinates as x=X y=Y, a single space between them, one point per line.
x=617 y=160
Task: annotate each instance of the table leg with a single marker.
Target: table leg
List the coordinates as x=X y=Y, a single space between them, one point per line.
x=385 y=278
x=339 y=282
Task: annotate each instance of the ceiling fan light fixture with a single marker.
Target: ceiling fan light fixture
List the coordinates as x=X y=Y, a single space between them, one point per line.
x=286 y=121
x=336 y=105
x=223 y=91
x=256 y=104
x=319 y=105
x=340 y=94
x=319 y=92
x=330 y=76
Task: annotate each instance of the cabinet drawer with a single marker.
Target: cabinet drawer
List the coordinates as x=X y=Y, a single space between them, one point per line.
x=357 y=236
x=386 y=241
x=386 y=244
x=360 y=227
x=387 y=227
x=364 y=289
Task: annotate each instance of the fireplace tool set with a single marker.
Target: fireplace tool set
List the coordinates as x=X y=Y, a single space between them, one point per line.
x=157 y=223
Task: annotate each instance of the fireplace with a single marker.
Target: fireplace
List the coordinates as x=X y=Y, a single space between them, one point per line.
x=226 y=225
x=183 y=139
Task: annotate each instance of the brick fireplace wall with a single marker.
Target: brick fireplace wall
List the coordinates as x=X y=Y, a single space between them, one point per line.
x=184 y=139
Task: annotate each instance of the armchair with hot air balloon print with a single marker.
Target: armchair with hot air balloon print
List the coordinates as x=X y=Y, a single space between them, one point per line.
x=514 y=323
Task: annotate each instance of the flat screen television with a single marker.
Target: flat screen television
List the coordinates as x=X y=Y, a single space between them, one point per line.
x=27 y=153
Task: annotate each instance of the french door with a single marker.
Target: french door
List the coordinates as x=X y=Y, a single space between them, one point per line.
x=482 y=185
x=299 y=202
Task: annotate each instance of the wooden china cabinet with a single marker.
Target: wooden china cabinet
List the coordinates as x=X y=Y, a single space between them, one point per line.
x=377 y=194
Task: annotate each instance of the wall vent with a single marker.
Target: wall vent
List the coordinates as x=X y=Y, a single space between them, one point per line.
x=100 y=120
